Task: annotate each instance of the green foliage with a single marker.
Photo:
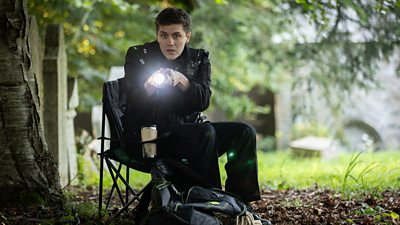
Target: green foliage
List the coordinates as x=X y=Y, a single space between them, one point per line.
x=242 y=52
x=86 y=172
x=97 y=35
x=334 y=19
x=296 y=203
x=350 y=38
x=252 y=43
x=86 y=210
x=271 y=51
x=353 y=162
x=359 y=178
x=266 y=143
x=377 y=213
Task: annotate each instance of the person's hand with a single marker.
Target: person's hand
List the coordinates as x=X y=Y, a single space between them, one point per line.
x=178 y=79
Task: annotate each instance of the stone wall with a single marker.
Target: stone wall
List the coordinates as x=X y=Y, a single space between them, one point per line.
x=367 y=116
x=379 y=108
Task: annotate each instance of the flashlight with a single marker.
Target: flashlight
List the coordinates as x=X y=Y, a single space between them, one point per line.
x=159 y=78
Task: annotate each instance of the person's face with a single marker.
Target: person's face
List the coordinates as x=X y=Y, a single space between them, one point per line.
x=172 y=39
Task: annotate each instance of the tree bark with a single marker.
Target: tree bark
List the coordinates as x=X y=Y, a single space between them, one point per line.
x=28 y=173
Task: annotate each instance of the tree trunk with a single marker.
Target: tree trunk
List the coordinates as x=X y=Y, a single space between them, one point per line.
x=28 y=174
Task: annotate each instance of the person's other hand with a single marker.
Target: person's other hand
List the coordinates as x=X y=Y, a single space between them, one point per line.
x=178 y=79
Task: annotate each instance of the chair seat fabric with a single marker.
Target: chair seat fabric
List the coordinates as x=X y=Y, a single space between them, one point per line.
x=120 y=155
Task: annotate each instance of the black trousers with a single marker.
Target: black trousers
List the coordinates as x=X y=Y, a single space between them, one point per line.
x=202 y=144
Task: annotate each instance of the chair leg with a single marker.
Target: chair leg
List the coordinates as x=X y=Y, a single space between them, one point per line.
x=101 y=184
x=113 y=187
x=103 y=122
x=126 y=188
x=121 y=178
x=112 y=168
x=135 y=197
x=129 y=188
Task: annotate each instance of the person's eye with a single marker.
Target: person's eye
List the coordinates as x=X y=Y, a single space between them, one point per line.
x=164 y=36
x=176 y=36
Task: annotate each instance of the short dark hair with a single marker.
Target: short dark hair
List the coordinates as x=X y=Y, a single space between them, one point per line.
x=170 y=16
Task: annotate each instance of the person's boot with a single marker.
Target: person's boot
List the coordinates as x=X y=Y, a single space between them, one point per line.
x=256 y=216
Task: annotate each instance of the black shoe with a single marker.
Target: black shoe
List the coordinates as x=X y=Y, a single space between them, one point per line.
x=256 y=216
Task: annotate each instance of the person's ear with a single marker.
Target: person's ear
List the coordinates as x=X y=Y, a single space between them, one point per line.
x=188 y=34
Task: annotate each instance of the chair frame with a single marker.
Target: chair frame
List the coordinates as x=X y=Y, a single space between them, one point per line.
x=116 y=135
x=114 y=171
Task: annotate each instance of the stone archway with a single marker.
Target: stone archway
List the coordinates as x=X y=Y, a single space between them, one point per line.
x=361 y=136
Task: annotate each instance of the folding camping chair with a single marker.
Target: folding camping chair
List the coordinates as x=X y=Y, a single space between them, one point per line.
x=113 y=108
x=114 y=102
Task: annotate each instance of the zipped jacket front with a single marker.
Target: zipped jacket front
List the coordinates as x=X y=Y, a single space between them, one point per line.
x=169 y=105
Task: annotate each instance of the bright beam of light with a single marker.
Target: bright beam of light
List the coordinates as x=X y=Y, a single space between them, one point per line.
x=159 y=78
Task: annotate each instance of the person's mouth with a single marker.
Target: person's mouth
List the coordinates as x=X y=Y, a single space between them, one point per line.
x=171 y=51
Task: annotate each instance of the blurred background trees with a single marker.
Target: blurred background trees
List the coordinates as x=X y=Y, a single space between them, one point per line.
x=253 y=44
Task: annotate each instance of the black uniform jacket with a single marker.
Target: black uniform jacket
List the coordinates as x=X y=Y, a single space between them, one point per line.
x=169 y=105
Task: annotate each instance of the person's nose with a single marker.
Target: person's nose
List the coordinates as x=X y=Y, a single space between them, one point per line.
x=170 y=41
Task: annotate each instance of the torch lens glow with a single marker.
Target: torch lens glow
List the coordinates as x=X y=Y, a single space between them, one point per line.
x=159 y=78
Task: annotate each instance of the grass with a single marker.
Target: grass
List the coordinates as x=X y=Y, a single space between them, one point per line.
x=89 y=176
x=349 y=172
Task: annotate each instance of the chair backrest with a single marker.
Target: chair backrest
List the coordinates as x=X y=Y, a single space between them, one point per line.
x=114 y=102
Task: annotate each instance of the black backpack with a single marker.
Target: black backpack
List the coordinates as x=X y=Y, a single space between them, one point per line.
x=178 y=196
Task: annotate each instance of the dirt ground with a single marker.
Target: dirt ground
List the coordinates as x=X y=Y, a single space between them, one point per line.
x=279 y=206
x=327 y=207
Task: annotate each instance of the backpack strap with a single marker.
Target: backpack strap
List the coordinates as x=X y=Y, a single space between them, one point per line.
x=181 y=175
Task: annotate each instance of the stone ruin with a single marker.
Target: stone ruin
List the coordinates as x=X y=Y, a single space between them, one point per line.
x=58 y=97
x=370 y=119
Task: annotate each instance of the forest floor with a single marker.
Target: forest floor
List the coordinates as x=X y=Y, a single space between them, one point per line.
x=279 y=206
x=327 y=207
